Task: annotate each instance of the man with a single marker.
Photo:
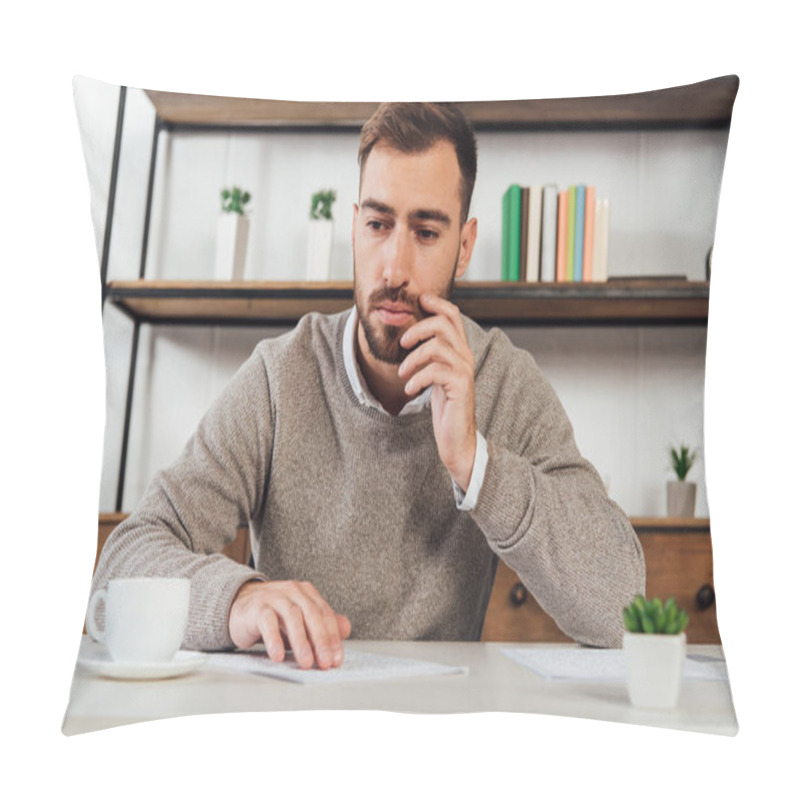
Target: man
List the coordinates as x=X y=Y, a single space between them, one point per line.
x=387 y=456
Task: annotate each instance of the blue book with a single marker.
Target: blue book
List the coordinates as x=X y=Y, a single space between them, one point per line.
x=580 y=222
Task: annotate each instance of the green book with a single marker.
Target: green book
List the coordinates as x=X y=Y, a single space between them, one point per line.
x=571 y=202
x=506 y=232
x=512 y=219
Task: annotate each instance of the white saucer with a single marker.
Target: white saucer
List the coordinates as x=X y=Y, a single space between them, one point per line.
x=184 y=662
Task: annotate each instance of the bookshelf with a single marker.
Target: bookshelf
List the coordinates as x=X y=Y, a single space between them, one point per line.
x=707 y=104
x=636 y=302
x=704 y=104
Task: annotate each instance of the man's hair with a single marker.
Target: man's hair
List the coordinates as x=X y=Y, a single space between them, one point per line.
x=415 y=128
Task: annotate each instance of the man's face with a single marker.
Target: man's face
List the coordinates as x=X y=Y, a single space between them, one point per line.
x=407 y=239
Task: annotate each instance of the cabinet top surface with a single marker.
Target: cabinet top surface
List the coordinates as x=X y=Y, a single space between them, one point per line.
x=707 y=103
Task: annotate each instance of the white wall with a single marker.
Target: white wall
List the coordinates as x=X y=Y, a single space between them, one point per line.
x=629 y=392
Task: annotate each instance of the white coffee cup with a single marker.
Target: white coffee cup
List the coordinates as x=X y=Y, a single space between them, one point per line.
x=145 y=618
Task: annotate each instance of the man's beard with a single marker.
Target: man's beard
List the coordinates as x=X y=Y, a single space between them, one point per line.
x=384 y=340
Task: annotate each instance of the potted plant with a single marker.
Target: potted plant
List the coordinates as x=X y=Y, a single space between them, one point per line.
x=681 y=494
x=232 y=230
x=654 y=644
x=320 y=235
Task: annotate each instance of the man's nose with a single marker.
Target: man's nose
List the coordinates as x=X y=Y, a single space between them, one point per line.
x=397 y=258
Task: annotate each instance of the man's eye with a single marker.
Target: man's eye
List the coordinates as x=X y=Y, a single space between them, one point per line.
x=374 y=224
x=427 y=235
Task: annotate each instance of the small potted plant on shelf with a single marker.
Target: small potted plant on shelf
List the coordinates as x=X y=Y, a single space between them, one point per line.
x=320 y=236
x=681 y=494
x=232 y=231
x=654 y=644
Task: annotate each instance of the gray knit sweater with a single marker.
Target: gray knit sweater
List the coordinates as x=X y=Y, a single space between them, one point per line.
x=358 y=502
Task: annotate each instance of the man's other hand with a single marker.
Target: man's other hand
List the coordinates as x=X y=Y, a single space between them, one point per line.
x=292 y=613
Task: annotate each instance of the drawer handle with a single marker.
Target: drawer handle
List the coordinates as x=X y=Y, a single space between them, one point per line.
x=705 y=597
x=518 y=594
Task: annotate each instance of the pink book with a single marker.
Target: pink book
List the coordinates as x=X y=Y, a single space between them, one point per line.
x=561 y=249
x=588 y=233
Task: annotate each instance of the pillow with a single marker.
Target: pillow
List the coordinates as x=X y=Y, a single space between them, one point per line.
x=190 y=290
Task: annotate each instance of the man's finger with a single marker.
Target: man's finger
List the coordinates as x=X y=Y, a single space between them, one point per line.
x=271 y=634
x=321 y=630
x=293 y=626
x=429 y=328
x=438 y=305
x=330 y=625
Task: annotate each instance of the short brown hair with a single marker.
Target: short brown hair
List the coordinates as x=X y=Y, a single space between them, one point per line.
x=415 y=128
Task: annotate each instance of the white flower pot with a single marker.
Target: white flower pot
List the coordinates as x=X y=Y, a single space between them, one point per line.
x=655 y=668
x=232 y=230
x=320 y=247
x=681 y=496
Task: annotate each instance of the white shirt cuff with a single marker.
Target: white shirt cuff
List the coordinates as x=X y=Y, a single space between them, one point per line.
x=468 y=501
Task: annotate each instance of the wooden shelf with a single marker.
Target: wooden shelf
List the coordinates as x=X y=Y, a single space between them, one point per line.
x=704 y=104
x=245 y=303
x=110 y=519
x=671 y=524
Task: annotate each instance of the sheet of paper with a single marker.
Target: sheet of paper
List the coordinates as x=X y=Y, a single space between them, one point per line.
x=357 y=666
x=584 y=664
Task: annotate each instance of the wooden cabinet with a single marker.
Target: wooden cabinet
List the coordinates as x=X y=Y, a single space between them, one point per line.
x=677 y=555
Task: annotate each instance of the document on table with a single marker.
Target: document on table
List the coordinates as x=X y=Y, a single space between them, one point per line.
x=584 y=664
x=357 y=666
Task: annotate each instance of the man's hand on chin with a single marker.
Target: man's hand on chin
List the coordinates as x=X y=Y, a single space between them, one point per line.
x=443 y=360
x=292 y=613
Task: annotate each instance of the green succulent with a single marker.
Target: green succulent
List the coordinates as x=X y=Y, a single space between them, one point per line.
x=653 y=616
x=234 y=200
x=322 y=204
x=682 y=461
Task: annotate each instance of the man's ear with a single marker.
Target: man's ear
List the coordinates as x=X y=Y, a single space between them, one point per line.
x=353 y=232
x=469 y=232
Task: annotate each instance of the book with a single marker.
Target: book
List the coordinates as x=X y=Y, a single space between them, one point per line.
x=532 y=269
x=505 y=237
x=549 y=234
x=512 y=200
x=600 y=252
x=561 y=241
x=588 y=234
x=580 y=222
x=570 y=234
x=523 y=232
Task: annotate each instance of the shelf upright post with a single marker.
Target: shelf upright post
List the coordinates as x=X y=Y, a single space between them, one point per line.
x=128 y=406
x=112 y=194
x=157 y=126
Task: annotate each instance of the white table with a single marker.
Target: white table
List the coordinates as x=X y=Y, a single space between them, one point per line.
x=494 y=683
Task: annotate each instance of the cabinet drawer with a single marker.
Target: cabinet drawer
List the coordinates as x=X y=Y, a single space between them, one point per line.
x=678 y=563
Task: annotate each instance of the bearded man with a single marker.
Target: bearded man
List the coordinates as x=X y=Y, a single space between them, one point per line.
x=386 y=457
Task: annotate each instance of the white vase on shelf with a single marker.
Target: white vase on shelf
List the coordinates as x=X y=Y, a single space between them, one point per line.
x=320 y=247
x=231 y=251
x=681 y=498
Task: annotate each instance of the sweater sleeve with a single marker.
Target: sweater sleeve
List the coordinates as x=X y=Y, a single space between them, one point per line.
x=545 y=512
x=192 y=509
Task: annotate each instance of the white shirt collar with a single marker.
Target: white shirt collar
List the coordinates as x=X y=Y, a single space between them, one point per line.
x=359 y=386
